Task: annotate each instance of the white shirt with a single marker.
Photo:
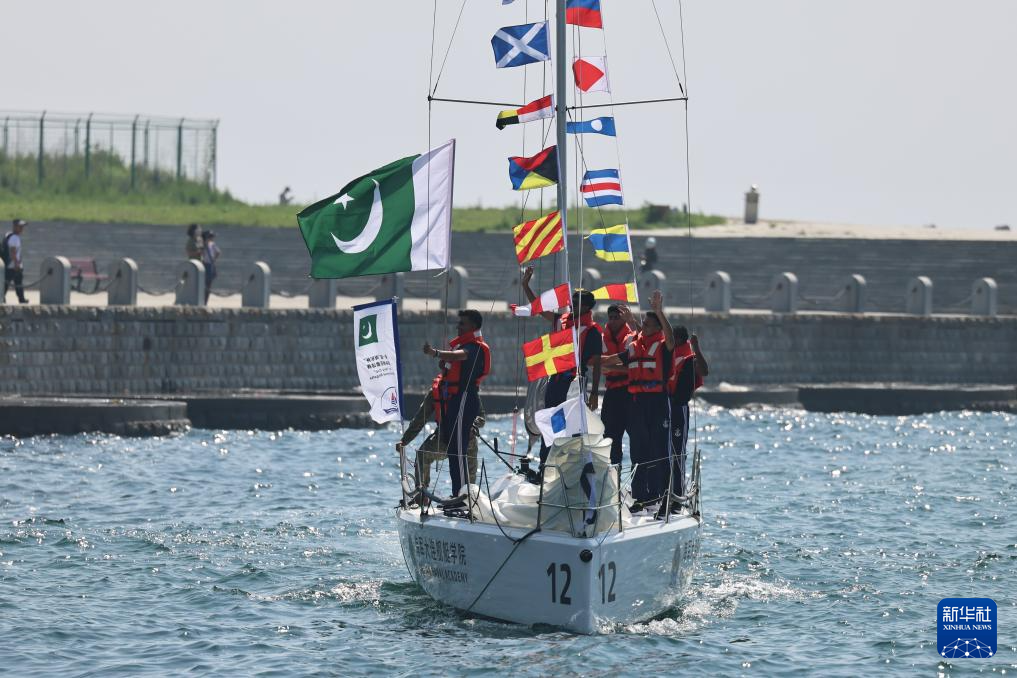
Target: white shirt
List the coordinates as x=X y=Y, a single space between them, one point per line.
x=14 y=242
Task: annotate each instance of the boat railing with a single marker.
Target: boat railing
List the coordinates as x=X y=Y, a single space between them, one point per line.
x=576 y=500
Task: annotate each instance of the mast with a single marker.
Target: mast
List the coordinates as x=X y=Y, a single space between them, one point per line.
x=561 y=118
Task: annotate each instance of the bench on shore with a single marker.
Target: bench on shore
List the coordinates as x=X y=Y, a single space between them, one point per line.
x=85 y=270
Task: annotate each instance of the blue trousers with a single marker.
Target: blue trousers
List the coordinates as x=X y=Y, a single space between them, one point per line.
x=455 y=433
x=649 y=433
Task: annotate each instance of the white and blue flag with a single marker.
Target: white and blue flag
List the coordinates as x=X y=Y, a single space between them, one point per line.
x=566 y=420
x=603 y=126
x=521 y=45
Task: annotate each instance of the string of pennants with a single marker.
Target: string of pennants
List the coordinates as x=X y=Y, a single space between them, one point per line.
x=525 y=44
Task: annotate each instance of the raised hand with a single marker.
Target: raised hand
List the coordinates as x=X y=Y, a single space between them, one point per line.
x=657 y=301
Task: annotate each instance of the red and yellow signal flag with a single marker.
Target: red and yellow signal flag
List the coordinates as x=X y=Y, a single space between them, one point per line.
x=539 y=237
x=549 y=354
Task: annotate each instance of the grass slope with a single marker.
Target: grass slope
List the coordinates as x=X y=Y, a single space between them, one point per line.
x=106 y=196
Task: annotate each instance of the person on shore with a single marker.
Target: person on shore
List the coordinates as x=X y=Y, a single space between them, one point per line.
x=210 y=253
x=591 y=346
x=431 y=450
x=618 y=334
x=689 y=370
x=649 y=361
x=462 y=367
x=13 y=266
x=285 y=198
x=194 y=246
x=650 y=256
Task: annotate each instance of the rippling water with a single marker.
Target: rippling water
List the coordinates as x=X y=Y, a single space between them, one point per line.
x=829 y=539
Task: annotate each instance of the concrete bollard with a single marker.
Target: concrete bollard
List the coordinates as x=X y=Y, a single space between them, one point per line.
x=985 y=298
x=752 y=205
x=191 y=285
x=323 y=293
x=650 y=282
x=784 y=292
x=123 y=289
x=55 y=286
x=918 y=299
x=591 y=279
x=718 y=292
x=392 y=285
x=257 y=289
x=458 y=288
x=854 y=294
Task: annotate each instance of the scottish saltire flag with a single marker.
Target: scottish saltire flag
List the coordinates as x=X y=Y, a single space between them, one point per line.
x=591 y=74
x=583 y=13
x=521 y=45
x=611 y=243
x=603 y=126
x=601 y=187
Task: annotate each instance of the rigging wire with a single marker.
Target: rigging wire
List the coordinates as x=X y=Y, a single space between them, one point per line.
x=693 y=411
x=625 y=208
x=451 y=40
x=667 y=44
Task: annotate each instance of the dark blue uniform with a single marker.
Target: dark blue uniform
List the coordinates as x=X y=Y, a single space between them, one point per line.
x=458 y=413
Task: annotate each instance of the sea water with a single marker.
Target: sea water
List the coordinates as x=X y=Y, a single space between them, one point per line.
x=828 y=541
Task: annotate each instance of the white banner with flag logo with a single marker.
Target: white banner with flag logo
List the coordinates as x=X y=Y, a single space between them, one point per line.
x=376 y=342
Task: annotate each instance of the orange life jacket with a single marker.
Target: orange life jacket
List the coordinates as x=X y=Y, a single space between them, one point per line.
x=613 y=345
x=647 y=370
x=446 y=385
x=585 y=325
x=681 y=354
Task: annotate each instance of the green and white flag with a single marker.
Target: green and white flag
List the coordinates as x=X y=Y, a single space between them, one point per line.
x=376 y=342
x=396 y=218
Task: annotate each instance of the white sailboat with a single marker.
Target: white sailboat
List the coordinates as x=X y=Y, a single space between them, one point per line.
x=561 y=548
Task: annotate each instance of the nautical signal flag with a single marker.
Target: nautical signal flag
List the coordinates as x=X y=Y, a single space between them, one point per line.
x=521 y=45
x=539 y=237
x=619 y=292
x=549 y=354
x=583 y=13
x=552 y=300
x=591 y=73
x=601 y=187
x=535 y=110
x=611 y=243
x=537 y=171
x=603 y=126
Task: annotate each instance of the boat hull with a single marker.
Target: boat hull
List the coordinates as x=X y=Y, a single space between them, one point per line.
x=549 y=577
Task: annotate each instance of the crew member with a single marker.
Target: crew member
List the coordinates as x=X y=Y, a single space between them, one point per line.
x=463 y=366
x=615 y=411
x=431 y=450
x=688 y=371
x=590 y=347
x=648 y=358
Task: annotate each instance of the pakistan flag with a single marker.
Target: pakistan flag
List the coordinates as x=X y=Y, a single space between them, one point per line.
x=396 y=218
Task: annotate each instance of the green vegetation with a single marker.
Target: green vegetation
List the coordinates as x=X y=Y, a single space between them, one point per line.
x=105 y=195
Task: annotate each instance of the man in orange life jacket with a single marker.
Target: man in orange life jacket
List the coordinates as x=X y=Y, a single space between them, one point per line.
x=649 y=361
x=618 y=334
x=590 y=348
x=455 y=393
x=688 y=371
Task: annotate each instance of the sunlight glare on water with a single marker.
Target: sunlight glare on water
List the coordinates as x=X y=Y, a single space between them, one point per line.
x=828 y=541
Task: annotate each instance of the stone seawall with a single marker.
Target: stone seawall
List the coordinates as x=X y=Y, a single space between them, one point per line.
x=65 y=350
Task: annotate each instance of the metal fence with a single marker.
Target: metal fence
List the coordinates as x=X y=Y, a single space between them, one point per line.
x=126 y=152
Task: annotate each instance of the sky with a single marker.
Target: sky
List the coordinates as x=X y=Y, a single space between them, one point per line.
x=869 y=112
